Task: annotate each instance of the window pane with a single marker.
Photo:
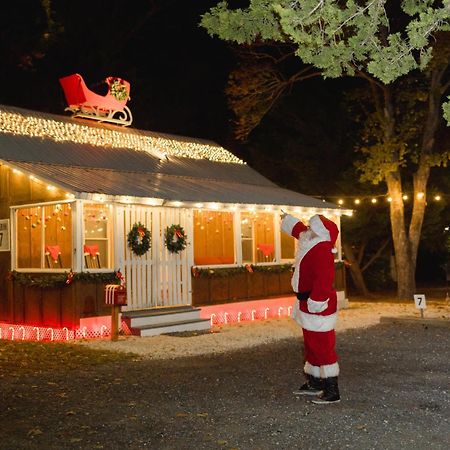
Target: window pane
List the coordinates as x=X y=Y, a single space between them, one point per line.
x=96 y=236
x=287 y=246
x=213 y=237
x=258 y=241
x=29 y=238
x=58 y=236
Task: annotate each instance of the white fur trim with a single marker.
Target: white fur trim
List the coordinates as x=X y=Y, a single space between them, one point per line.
x=312 y=370
x=319 y=228
x=317 y=307
x=302 y=249
x=288 y=224
x=296 y=313
x=313 y=322
x=329 y=370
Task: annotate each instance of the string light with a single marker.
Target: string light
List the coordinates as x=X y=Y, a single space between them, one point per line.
x=375 y=199
x=59 y=130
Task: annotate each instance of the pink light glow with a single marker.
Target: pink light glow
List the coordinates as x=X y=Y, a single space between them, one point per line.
x=90 y=328
x=248 y=311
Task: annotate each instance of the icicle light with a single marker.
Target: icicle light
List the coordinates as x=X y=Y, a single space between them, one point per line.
x=59 y=131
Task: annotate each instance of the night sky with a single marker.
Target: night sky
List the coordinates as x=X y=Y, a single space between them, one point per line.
x=177 y=72
x=178 y=75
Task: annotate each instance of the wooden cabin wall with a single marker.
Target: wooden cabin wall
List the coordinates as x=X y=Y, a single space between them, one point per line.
x=17 y=189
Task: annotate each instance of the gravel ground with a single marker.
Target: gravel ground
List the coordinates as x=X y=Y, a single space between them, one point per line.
x=394 y=387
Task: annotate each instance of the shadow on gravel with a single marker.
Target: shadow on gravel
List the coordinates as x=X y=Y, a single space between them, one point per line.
x=394 y=384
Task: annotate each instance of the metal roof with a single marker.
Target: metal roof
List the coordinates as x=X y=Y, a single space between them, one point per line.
x=167 y=187
x=84 y=168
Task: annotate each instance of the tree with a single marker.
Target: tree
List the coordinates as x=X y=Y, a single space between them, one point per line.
x=380 y=41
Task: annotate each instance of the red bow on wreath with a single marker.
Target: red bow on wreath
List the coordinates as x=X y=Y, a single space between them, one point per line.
x=178 y=233
x=141 y=232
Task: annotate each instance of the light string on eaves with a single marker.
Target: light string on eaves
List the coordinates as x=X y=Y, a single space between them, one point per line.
x=377 y=199
x=59 y=131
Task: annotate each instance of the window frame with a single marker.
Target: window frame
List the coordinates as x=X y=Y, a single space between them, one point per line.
x=77 y=237
x=110 y=237
x=14 y=237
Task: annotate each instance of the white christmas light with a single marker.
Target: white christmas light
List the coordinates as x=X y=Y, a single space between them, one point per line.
x=26 y=125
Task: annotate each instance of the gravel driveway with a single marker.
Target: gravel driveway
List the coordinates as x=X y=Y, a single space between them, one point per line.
x=394 y=387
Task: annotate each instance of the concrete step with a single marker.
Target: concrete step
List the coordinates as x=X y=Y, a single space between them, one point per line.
x=172 y=327
x=157 y=316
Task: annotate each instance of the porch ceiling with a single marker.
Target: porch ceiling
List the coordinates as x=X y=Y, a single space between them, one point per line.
x=168 y=187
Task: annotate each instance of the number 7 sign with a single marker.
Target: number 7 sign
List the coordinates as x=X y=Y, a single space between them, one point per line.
x=420 y=301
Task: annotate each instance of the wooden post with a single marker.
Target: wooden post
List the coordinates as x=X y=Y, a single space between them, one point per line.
x=115 y=309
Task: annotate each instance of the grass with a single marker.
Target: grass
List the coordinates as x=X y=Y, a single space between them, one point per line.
x=37 y=357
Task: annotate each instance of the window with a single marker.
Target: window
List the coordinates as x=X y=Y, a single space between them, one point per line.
x=257 y=237
x=287 y=246
x=96 y=245
x=213 y=237
x=44 y=237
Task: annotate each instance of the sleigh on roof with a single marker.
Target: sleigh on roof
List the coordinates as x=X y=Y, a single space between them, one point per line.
x=83 y=102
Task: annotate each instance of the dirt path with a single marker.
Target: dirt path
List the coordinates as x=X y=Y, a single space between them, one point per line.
x=394 y=385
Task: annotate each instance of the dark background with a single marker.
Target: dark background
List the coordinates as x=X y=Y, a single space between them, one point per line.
x=178 y=75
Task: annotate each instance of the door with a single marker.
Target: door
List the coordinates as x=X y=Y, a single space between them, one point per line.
x=159 y=278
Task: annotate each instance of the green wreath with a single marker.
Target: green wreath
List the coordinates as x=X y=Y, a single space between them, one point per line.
x=175 y=238
x=139 y=239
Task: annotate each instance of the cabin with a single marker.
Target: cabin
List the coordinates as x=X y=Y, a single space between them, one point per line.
x=75 y=193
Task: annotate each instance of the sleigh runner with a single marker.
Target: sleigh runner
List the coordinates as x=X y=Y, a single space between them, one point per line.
x=83 y=102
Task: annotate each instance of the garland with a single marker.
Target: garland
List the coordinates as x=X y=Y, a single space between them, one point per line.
x=250 y=268
x=63 y=279
x=230 y=271
x=139 y=239
x=118 y=89
x=175 y=238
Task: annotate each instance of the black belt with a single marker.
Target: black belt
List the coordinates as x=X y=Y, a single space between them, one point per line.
x=303 y=295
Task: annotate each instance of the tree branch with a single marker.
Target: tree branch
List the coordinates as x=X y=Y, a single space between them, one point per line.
x=376 y=255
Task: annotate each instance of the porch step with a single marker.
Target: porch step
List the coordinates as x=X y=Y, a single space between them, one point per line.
x=152 y=322
x=173 y=327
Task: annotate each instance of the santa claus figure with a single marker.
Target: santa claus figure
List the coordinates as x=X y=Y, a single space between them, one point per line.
x=316 y=308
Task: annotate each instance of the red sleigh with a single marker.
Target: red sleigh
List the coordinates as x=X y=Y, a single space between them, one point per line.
x=111 y=107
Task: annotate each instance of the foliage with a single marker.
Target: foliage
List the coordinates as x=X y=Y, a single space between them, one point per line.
x=118 y=89
x=379 y=41
x=175 y=238
x=337 y=37
x=139 y=239
x=250 y=268
x=63 y=279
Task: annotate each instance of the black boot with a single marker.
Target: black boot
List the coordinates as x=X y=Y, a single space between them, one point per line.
x=313 y=386
x=330 y=393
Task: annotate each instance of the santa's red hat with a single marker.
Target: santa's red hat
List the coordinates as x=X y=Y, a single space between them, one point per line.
x=324 y=227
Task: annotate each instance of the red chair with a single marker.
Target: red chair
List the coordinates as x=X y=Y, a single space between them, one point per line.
x=53 y=256
x=92 y=257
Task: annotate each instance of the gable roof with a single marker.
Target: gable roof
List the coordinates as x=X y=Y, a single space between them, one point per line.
x=85 y=157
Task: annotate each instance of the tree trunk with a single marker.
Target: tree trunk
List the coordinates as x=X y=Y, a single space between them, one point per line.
x=403 y=261
x=355 y=271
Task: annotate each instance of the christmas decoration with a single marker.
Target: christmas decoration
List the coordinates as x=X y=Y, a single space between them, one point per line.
x=175 y=238
x=139 y=239
x=230 y=271
x=118 y=89
x=34 y=126
x=61 y=279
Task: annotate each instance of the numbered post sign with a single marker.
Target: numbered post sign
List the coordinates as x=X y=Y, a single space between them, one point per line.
x=420 y=301
x=4 y=235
